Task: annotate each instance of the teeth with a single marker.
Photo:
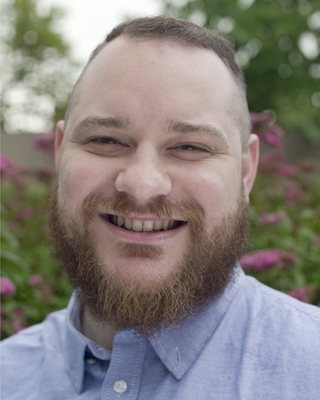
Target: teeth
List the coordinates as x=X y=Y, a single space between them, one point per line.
x=127 y=223
x=165 y=225
x=143 y=226
x=148 y=226
x=119 y=220
x=137 y=225
x=157 y=225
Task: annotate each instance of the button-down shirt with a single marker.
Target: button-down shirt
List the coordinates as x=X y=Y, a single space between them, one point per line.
x=251 y=343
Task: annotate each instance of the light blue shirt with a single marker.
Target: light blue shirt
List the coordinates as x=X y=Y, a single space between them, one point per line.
x=251 y=343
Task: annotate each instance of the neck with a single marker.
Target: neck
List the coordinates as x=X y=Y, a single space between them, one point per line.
x=100 y=333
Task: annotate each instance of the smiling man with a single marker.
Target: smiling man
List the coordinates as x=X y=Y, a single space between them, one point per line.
x=155 y=165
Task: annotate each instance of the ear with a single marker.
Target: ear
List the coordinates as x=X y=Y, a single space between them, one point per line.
x=58 y=143
x=250 y=159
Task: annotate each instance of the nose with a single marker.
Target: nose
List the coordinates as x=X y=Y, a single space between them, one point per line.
x=144 y=178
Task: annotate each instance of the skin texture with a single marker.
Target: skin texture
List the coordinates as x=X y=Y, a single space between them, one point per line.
x=168 y=109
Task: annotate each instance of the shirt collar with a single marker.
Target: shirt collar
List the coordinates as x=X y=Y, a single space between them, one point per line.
x=76 y=345
x=178 y=347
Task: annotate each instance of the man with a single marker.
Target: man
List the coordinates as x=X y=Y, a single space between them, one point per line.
x=155 y=166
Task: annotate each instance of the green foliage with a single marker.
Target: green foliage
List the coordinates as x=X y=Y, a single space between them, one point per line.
x=26 y=257
x=38 y=72
x=32 y=29
x=281 y=73
x=294 y=200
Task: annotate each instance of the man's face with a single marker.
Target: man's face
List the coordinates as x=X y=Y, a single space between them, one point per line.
x=151 y=172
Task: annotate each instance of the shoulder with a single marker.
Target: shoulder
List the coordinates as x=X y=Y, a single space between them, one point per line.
x=32 y=339
x=279 y=306
x=28 y=340
x=280 y=324
x=23 y=354
x=273 y=339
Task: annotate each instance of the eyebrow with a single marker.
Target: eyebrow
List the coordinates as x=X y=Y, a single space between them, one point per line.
x=174 y=126
x=92 y=122
x=204 y=129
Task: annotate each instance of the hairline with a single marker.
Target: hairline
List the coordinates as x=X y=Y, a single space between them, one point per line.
x=240 y=110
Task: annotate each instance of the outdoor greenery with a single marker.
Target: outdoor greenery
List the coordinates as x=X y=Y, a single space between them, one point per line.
x=277 y=44
x=285 y=241
x=38 y=72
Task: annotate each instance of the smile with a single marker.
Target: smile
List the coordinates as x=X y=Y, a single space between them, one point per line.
x=143 y=225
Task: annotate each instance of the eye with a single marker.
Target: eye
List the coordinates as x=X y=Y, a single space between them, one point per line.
x=190 y=151
x=104 y=140
x=190 y=148
x=106 y=146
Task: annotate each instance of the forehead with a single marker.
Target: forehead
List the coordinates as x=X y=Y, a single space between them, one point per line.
x=127 y=57
x=154 y=78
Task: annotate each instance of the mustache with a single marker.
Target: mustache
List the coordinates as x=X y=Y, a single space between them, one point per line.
x=122 y=204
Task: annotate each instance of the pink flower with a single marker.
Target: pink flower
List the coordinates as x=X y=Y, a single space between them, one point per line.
x=5 y=164
x=261 y=260
x=44 y=173
x=302 y=293
x=272 y=218
x=272 y=136
x=296 y=195
x=7 y=287
x=270 y=161
x=288 y=258
x=35 y=280
x=263 y=125
x=19 y=320
x=286 y=170
x=44 y=142
x=10 y=168
x=46 y=292
x=260 y=119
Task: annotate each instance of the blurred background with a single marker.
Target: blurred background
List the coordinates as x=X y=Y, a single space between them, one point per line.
x=45 y=44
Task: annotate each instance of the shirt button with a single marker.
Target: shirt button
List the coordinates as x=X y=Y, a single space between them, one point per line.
x=120 y=386
x=91 y=361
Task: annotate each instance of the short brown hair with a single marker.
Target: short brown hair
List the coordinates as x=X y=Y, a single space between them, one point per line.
x=161 y=28
x=167 y=28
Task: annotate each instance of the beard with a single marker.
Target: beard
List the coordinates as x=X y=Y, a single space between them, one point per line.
x=202 y=274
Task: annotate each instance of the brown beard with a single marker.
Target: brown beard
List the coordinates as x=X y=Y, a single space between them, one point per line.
x=203 y=273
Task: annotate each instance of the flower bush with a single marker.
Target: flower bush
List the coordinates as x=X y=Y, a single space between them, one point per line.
x=31 y=282
x=285 y=240
x=285 y=218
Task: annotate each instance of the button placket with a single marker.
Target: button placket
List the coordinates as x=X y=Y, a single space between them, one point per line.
x=123 y=377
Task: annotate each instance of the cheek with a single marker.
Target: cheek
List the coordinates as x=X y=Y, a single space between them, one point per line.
x=215 y=189
x=80 y=176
